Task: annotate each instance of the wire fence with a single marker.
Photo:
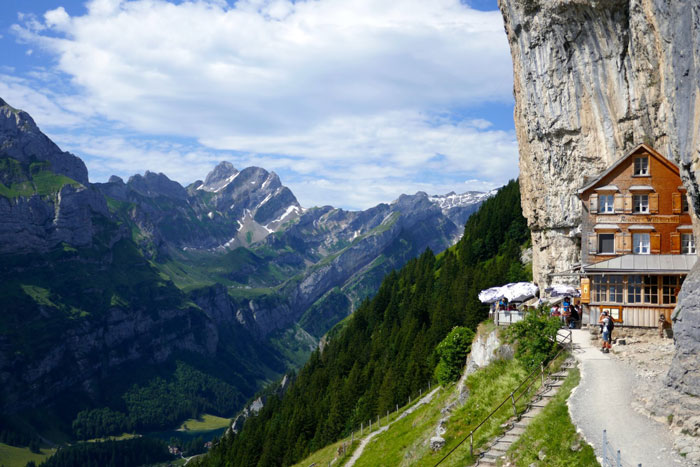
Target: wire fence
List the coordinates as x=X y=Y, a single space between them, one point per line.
x=612 y=457
x=384 y=419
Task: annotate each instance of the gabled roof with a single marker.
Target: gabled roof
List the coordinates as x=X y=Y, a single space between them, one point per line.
x=660 y=264
x=645 y=147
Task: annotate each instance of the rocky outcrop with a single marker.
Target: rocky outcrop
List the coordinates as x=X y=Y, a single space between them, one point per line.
x=22 y=140
x=592 y=79
x=37 y=224
x=685 y=367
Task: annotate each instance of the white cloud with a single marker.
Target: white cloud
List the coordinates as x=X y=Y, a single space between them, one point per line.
x=41 y=103
x=362 y=94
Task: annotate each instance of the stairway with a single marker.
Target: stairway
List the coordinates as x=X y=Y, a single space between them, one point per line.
x=496 y=451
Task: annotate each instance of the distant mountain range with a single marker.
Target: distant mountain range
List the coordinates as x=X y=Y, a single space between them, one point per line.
x=111 y=289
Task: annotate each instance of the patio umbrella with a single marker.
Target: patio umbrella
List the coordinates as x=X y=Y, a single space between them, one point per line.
x=519 y=291
x=491 y=295
x=561 y=290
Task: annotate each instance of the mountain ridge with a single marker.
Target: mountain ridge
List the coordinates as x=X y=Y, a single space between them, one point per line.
x=229 y=272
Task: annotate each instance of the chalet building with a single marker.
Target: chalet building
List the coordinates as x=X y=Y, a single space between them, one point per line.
x=637 y=243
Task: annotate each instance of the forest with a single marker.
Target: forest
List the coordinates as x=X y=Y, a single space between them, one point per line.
x=138 y=451
x=386 y=351
x=160 y=403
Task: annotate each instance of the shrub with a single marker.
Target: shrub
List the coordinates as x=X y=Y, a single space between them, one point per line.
x=535 y=337
x=453 y=351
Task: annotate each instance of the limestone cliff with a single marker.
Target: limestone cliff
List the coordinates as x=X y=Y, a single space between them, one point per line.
x=591 y=80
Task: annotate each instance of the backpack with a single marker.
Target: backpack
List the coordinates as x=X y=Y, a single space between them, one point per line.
x=607 y=324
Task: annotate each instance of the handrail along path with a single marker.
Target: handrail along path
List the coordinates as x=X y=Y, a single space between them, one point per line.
x=511 y=397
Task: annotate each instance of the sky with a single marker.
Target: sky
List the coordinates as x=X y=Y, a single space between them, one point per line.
x=350 y=102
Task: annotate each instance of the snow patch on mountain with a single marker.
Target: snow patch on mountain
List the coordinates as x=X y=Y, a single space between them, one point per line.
x=454 y=200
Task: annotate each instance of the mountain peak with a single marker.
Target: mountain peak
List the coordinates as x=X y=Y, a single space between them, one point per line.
x=222 y=175
x=22 y=140
x=153 y=184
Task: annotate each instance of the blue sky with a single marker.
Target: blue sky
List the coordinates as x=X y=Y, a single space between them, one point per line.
x=351 y=102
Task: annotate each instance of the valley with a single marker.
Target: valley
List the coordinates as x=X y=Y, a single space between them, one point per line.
x=132 y=306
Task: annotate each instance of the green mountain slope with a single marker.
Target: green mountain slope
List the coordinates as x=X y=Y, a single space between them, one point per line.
x=385 y=351
x=103 y=328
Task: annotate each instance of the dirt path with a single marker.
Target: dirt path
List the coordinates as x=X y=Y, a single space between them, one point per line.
x=604 y=400
x=358 y=452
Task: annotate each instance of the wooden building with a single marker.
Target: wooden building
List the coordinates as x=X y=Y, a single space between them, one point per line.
x=637 y=243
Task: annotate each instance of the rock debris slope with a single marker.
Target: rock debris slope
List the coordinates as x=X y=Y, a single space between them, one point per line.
x=592 y=79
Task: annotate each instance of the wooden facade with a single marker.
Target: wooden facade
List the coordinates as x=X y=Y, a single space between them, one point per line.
x=634 y=209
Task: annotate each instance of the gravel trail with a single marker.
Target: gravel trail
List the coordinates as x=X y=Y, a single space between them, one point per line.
x=603 y=400
x=358 y=452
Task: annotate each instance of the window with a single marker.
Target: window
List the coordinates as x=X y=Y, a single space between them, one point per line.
x=615 y=289
x=607 y=289
x=684 y=203
x=641 y=166
x=640 y=203
x=634 y=289
x=600 y=289
x=651 y=289
x=642 y=289
x=606 y=203
x=670 y=287
x=606 y=243
x=641 y=243
x=687 y=244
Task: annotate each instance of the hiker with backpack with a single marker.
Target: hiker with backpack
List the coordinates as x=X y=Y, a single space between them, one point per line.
x=607 y=324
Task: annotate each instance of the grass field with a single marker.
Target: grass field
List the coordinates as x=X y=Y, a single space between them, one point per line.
x=11 y=456
x=204 y=423
x=121 y=437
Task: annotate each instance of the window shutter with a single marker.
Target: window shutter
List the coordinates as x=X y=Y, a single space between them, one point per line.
x=619 y=202
x=675 y=243
x=619 y=242
x=585 y=290
x=592 y=244
x=626 y=242
x=655 y=243
x=628 y=203
x=593 y=203
x=676 y=201
x=653 y=203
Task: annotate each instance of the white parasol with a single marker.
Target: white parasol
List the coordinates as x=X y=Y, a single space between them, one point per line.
x=491 y=295
x=561 y=290
x=519 y=291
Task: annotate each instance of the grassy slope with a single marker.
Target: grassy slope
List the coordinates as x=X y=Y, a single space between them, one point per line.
x=553 y=433
x=11 y=456
x=406 y=442
x=29 y=179
x=205 y=423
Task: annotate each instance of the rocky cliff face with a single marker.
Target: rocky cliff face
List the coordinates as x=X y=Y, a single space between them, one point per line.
x=592 y=79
